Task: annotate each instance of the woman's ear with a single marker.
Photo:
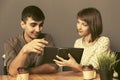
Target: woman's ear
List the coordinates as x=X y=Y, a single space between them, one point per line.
x=22 y=23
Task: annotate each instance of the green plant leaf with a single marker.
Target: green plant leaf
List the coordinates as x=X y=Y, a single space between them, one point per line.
x=107 y=61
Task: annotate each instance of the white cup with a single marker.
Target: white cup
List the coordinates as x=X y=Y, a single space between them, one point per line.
x=91 y=74
x=24 y=76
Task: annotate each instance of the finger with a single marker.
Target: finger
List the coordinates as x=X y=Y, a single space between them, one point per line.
x=43 y=41
x=58 y=62
x=41 y=45
x=39 y=49
x=60 y=58
x=70 y=56
x=55 y=60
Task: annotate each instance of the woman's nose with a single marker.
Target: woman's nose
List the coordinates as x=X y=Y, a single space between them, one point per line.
x=78 y=26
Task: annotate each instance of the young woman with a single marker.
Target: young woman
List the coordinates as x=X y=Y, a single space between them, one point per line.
x=89 y=26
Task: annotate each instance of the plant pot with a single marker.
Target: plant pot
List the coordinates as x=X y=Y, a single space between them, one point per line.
x=106 y=74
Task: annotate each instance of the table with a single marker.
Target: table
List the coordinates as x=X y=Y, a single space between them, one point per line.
x=66 y=75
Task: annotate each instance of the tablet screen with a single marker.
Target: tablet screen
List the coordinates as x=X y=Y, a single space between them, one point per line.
x=75 y=52
x=51 y=52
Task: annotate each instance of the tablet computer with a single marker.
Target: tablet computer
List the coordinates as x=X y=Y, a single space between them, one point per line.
x=51 y=52
x=76 y=53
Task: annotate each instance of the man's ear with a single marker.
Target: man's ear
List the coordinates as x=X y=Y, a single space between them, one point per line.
x=22 y=23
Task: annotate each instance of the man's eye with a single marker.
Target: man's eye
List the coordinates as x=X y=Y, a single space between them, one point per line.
x=33 y=24
x=41 y=25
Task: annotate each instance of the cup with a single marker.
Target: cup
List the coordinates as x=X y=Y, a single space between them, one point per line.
x=24 y=76
x=22 y=73
x=88 y=72
x=88 y=75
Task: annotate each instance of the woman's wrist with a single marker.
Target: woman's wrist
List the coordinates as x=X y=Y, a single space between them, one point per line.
x=77 y=68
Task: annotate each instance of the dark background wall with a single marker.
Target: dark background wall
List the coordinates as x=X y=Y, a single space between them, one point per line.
x=60 y=19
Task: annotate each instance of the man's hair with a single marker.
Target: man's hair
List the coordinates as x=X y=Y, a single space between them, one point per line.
x=93 y=18
x=34 y=12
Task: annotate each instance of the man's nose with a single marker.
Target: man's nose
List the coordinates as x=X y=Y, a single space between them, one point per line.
x=37 y=28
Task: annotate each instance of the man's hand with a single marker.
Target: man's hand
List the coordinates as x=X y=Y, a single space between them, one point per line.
x=36 y=45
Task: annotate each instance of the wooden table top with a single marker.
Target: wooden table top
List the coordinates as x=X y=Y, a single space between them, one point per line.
x=66 y=75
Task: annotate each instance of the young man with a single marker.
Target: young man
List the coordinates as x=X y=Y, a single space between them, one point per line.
x=26 y=50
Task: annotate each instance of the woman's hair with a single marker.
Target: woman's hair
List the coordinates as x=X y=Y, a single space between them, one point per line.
x=93 y=18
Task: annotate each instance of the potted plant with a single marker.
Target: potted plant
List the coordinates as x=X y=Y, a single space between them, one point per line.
x=107 y=62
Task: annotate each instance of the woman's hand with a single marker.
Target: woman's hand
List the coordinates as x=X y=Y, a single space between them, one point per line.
x=70 y=62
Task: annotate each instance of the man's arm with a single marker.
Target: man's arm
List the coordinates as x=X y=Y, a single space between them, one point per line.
x=35 y=46
x=44 y=69
x=19 y=61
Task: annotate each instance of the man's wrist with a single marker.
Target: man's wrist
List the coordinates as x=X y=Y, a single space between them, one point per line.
x=24 y=52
